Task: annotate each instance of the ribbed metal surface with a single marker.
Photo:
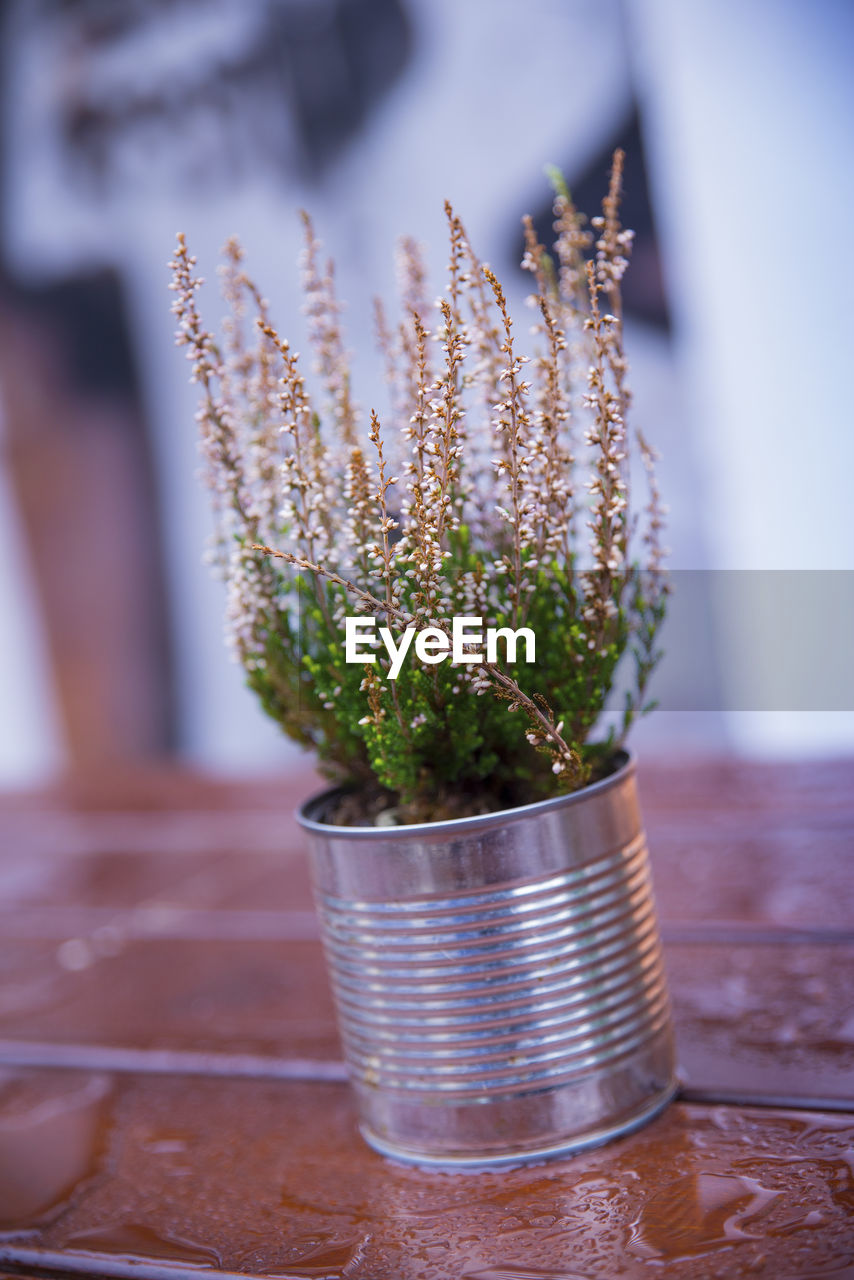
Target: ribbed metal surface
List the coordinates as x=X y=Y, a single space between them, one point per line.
x=499 y=991
x=498 y=979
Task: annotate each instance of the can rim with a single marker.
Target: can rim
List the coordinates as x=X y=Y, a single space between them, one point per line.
x=307 y=812
x=518 y=1157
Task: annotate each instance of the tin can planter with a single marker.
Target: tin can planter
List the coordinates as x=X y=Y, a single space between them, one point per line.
x=498 y=980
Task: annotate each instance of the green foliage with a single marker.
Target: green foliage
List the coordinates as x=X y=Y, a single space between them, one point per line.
x=317 y=528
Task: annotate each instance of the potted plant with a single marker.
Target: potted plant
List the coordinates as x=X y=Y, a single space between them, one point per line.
x=438 y=609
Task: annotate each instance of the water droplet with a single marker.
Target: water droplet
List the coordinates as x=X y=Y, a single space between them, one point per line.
x=812 y=1219
x=325 y=1261
x=74 y=954
x=510 y=1224
x=134 y=1240
x=698 y=1213
x=166 y=1144
x=521 y=1273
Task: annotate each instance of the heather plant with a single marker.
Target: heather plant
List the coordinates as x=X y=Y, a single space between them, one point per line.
x=496 y=488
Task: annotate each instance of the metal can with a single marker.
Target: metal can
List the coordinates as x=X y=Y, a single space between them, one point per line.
x=498 y=979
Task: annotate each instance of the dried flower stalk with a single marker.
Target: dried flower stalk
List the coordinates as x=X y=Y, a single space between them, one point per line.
x=503 y=462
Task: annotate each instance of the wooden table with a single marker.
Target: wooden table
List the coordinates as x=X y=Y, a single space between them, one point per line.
x=172 y=1100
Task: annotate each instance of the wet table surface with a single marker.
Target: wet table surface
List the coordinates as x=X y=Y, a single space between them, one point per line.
x=172 y=1099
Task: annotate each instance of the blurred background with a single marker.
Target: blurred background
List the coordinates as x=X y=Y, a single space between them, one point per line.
x=123 y=123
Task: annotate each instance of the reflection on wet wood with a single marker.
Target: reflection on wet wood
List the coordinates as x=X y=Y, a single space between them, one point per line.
x=172 y=1098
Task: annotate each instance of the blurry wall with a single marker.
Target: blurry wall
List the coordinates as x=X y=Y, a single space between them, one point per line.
x=748 y=108
x=122 y=124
